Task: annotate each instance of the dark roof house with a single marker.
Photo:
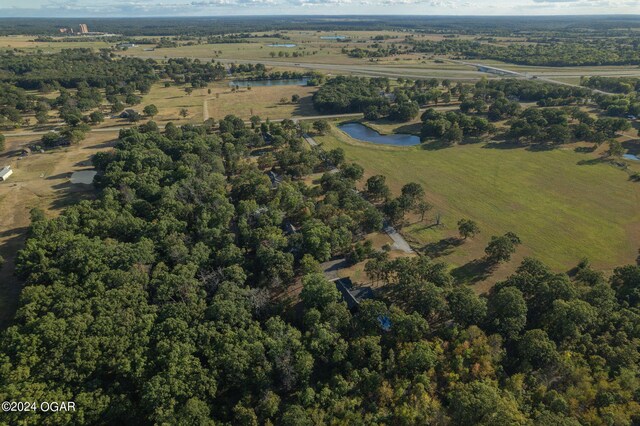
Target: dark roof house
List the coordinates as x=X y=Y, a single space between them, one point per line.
x=353 y=296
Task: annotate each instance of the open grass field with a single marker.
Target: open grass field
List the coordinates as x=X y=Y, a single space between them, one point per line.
x=39 y=180
x=561 y=210
x=262 y=101
x=170 y=100
x=27 y=43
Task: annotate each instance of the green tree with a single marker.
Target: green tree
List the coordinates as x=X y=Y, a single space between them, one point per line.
x=422 y=207
x=468 y=228
x=501 y=248
x=537 y=349
x=376 y=188
x=615 y=149
x=507 y=312
x=466 y=307
x=318 y=292
x=150 y=110
x=321 y=126
x=96 y=117
x=479 y=403
x=411 y=194
x=453 y=134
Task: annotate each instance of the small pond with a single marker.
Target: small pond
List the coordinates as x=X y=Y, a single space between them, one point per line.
x=84 y=176
x=631 y=157
x=264 y=83
x=282 y=45
x=366 y=134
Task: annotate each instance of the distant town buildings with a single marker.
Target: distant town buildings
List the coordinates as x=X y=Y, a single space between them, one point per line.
x=124 y=46
x=83 y=29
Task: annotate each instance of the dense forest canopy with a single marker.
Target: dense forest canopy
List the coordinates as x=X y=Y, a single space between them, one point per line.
x=559 y=52
x=72 y=66
x=160 y=302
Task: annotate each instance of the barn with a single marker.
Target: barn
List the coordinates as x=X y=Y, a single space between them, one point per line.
x=5 y=172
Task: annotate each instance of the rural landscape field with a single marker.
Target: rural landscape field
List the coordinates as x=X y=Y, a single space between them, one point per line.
x=362 y=220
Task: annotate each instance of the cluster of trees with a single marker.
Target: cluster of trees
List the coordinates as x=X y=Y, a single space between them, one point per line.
x=612 y=84
x=552 y=126
x=544 y=94
x=83 y=78
x=345 y=94
x=376 y=50
x=14 y=102
x=558 y=53
x=403 y=109
x=70 y=67
x=373 y=97
x=162 y=302
x=192 y=71
x=452 y=126
x=619 y=105
x=411 y=199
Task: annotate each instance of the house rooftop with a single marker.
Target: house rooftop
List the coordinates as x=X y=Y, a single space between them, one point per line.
x=353 y=296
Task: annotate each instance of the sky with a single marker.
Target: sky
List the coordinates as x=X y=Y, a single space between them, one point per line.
x=144 y=8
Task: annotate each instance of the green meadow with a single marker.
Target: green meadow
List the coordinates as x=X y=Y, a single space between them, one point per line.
x=562 y=210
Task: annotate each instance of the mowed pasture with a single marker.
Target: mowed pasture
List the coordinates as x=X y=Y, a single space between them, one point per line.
x=272 y=102
x=170 y=100
x=562 y=210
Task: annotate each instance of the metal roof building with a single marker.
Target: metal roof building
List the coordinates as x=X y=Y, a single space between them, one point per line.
x=5 y=172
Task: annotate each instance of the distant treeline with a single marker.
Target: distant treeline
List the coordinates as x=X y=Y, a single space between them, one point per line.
x=612 y=84
x=559 y=25
x=625 y=51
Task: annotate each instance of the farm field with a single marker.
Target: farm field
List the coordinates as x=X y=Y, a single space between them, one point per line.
x=42 y=181
x=561 y=210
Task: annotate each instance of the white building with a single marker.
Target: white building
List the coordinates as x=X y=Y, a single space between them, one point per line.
x=5 y=172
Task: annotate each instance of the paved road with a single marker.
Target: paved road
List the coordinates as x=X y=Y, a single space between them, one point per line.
x=398 y=240
x=540 y=77
x=312 y=142
x=370 y=70
x=331 y=268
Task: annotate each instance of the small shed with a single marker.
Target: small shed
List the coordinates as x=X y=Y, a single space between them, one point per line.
x=5 y=172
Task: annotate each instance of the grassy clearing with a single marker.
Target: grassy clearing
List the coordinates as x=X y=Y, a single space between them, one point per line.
x=170 y=100
x=561 y=210
x=262 y=101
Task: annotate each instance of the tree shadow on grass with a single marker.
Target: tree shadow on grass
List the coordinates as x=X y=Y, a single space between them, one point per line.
x=632 y=146
x=503 y=145
x=441 y=248
x=474 y=271
x=585 y=149
x=413 y=129
x=590 y=162
x=541 y=147
x=435 y=145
